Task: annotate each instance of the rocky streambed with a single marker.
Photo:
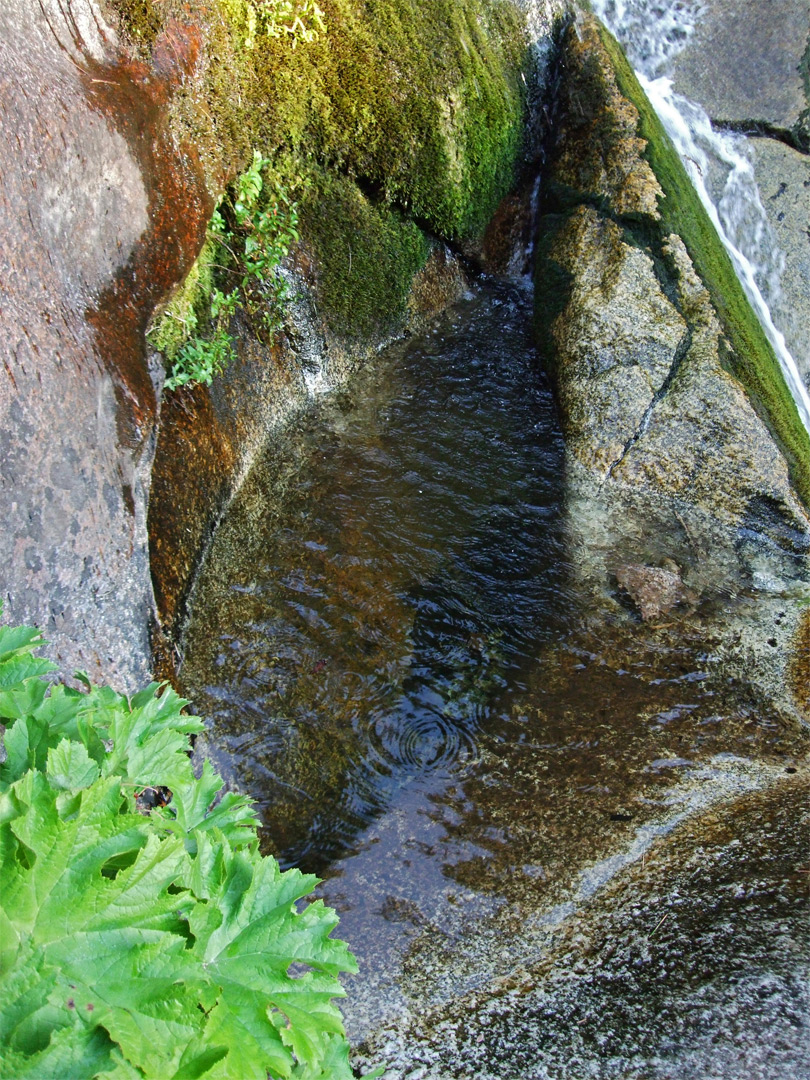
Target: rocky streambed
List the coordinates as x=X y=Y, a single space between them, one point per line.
x=554 y=777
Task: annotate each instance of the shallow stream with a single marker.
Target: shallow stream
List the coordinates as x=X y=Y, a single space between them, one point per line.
x=401 y=655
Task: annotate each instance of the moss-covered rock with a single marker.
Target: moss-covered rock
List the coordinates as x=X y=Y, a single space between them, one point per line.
x=706 y=433
x=751 y=358
x=421 y=99
x=392 y=124
x=366 y=256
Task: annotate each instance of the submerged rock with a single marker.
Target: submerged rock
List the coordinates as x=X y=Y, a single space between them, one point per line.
x=693 y=962
x=654 y=590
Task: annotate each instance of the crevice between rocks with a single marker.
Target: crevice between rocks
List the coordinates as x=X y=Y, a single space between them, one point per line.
x=764 y=129
x=684 y=345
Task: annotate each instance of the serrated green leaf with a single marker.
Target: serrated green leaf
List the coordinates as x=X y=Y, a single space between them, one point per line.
x=192 y=810
x=23 y=992
x=198 y=1060
x=15 y=639
x=14 y=671
x=248 y=951
x=73 y=1053
x=70 y=767
x=145 y=947
x=249 y=1057
x=331 y=1063
x=26 y=743
x=23 y=699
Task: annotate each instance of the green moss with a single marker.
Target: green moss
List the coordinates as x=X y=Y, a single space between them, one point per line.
x=367 y=256
x=419 y=104
x=753 y=360
x=142 y=19
x=422 y=99
x=187 y=308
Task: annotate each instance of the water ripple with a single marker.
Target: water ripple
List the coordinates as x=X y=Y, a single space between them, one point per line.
x=385 y=577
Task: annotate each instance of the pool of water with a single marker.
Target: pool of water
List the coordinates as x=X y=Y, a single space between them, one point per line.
x=387 y=574
x=401 y=654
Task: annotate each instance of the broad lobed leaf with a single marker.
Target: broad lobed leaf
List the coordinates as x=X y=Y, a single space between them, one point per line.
x=146 y=946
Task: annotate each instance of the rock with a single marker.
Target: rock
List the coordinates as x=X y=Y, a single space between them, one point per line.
x=703 y=440
x=744 y=66
x=599 y=154
x=743 y=61
x=83 y=261
x=783 y=178
x=118 y=139
x=617 y=341
x=691 y=963
x=639 y=354
x=653 y=589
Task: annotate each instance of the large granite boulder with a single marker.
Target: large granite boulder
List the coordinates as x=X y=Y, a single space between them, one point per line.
x=87 y=172
x=641 y=356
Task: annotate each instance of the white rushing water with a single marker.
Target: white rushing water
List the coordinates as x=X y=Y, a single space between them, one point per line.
x=652 y=33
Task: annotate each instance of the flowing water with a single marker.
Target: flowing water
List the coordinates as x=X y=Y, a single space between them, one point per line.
x=718 y=162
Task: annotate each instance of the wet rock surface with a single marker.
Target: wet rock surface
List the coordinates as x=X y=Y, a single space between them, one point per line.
x=85 y=248
x=747 y=66
x=639 y=356
x=694 y=963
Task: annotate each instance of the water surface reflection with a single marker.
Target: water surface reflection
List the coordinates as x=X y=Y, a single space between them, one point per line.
x=385 y=578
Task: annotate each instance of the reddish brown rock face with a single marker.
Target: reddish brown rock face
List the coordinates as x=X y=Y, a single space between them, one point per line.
x=93 y=234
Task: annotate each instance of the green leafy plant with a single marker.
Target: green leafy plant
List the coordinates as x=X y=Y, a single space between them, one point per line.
x=253 y=227
x=146 y=938
x=200 y=359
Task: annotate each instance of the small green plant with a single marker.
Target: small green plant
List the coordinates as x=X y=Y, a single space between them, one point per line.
x=146 y=937
x=200 y=359
x=251 y=231
x=299 y=20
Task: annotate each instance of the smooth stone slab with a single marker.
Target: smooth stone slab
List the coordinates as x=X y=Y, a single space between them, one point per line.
x=742 y=63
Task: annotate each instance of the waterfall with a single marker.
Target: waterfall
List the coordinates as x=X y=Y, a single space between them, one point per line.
x=718 y=164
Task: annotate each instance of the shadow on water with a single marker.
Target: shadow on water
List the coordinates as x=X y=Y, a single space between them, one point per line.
x=382 y=582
